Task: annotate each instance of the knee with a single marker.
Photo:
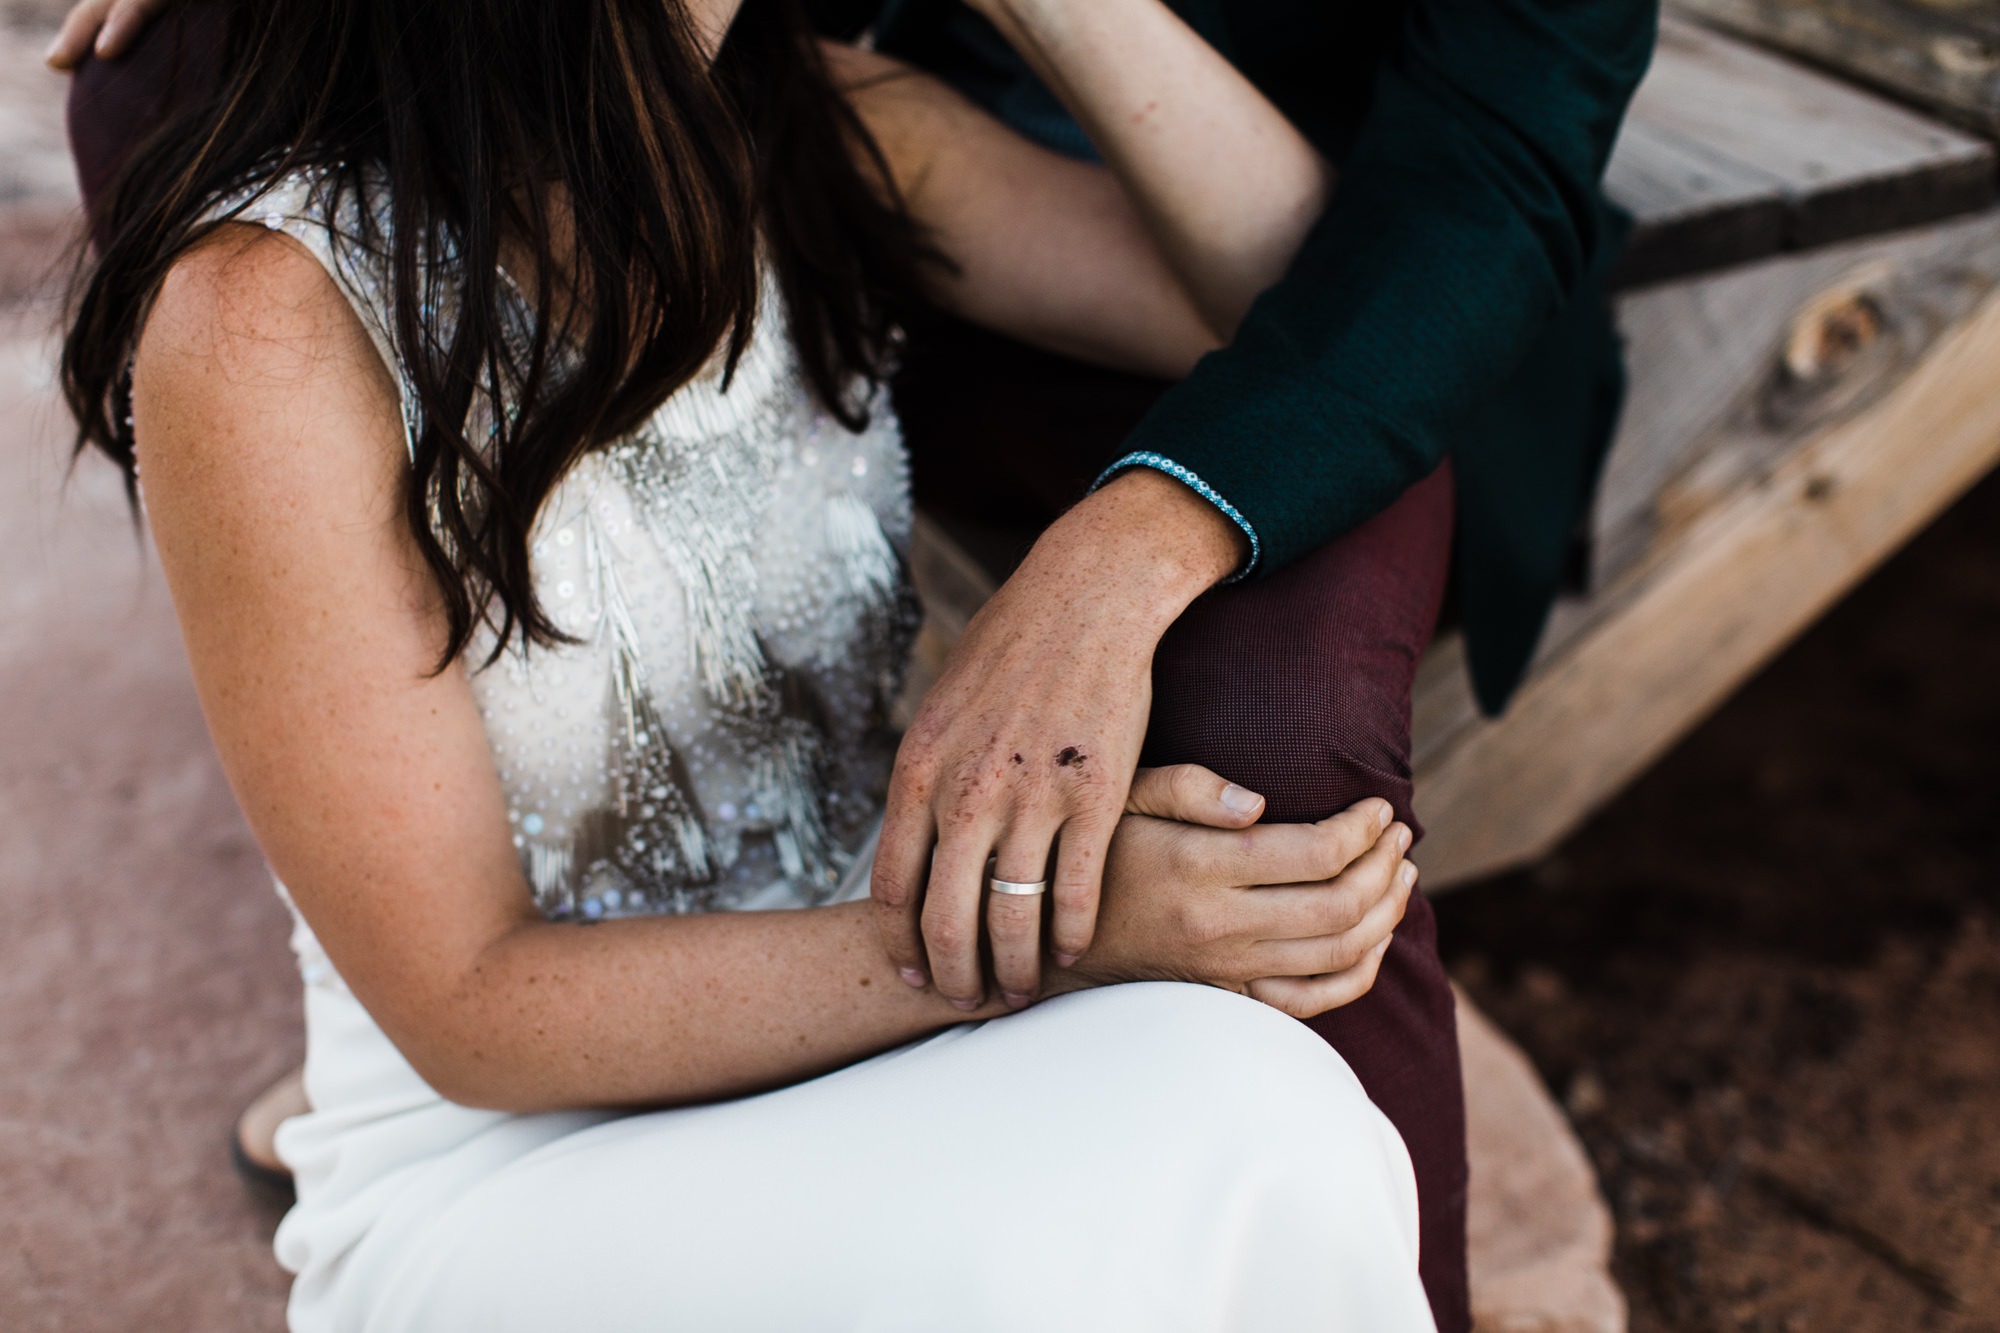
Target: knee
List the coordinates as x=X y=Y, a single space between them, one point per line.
x=1312 y=733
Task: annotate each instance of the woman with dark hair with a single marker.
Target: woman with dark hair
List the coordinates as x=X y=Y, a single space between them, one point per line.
x=505 y=377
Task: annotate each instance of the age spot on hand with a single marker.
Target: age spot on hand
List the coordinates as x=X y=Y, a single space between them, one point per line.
x=1071 y=757
x=1017 y=759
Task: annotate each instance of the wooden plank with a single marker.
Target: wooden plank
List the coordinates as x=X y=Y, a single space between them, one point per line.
x=1730 y=154
x=951 y=583
x=1940 y=54
x=1710 y=396
x=1647 y=663
x=1695 y=209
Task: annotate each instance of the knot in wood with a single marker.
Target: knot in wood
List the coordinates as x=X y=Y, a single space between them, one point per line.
x=1831 y=333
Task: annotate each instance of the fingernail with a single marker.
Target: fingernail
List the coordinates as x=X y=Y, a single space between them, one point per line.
x=1383 y=947
x=1403 y=841
x=1384 y=812
x=1408 y=874
x=53 y=47
x=1241 y=799
x=1018 y=1000
x=914 y=976
x=965 y=1006
x=1065 y=960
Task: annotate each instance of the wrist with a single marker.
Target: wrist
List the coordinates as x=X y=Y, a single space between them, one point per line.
x=1149 y=540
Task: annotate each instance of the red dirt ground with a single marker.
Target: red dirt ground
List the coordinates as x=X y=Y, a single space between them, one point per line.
x=1766 y=981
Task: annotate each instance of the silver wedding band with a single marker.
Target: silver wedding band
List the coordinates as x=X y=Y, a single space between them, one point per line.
x=1018 y=889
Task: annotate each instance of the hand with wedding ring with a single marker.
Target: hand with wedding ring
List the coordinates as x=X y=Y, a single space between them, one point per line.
x=1025 y=747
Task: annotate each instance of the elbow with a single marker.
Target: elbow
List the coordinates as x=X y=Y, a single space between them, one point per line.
x=470 y=1075
x=473 y=1043
x=1208 y=337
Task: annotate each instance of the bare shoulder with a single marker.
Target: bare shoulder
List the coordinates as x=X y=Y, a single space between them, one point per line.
x=247 y=293
x=246 y=320
x=250 y=349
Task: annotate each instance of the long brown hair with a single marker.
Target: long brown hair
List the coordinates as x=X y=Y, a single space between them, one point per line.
x=472 y=119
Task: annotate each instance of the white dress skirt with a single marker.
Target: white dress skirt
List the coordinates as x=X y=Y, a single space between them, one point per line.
x=1152 y=1157
x=1144 y=1157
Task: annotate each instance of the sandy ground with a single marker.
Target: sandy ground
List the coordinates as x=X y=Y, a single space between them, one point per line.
x=1767 y=980
x=145 y=988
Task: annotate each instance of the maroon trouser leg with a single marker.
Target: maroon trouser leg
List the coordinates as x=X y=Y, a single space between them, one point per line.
x=1296 y=685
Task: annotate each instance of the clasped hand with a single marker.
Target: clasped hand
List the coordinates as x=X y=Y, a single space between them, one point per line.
x=1297 y=916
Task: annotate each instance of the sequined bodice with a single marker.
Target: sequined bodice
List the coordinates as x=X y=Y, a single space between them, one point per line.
x=733 y=575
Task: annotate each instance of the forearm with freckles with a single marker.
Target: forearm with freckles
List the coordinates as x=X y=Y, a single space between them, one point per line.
x=658 y=1011
x=1044 y=248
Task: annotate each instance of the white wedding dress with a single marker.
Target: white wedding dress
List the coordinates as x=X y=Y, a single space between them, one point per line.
x=1146 y=1157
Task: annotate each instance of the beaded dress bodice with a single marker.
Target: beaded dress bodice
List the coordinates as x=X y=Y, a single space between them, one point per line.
x=733 y=575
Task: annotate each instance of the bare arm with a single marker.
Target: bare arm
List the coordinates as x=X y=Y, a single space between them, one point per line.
x=273 y=469
x=1145 y=265
x=1228 y=188
x=1046 y=249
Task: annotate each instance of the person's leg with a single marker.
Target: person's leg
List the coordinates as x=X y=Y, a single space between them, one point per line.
x=1296 y=685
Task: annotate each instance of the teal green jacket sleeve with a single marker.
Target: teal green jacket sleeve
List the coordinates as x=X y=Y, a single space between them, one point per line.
x=1466 y=214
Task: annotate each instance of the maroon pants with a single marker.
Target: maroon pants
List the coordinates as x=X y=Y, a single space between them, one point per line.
x=1296 y=686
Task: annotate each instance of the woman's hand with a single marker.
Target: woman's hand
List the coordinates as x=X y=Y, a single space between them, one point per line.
x=100 y=27
x=1295 y=915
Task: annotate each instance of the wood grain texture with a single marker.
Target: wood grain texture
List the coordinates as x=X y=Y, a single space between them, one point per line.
x=1939 y=54
x=1711 y=396
x=1731 y=154
x=1647 y=661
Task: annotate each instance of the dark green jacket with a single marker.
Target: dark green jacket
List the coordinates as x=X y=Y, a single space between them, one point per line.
x=1451 y=301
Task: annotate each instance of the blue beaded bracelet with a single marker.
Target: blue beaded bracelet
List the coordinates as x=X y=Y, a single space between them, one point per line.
x=1161 y=463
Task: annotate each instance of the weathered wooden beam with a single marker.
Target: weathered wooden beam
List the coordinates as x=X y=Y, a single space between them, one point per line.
x=1731 y=154
x=1628 y=673
x=1939 y=54
x=1720 y=379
